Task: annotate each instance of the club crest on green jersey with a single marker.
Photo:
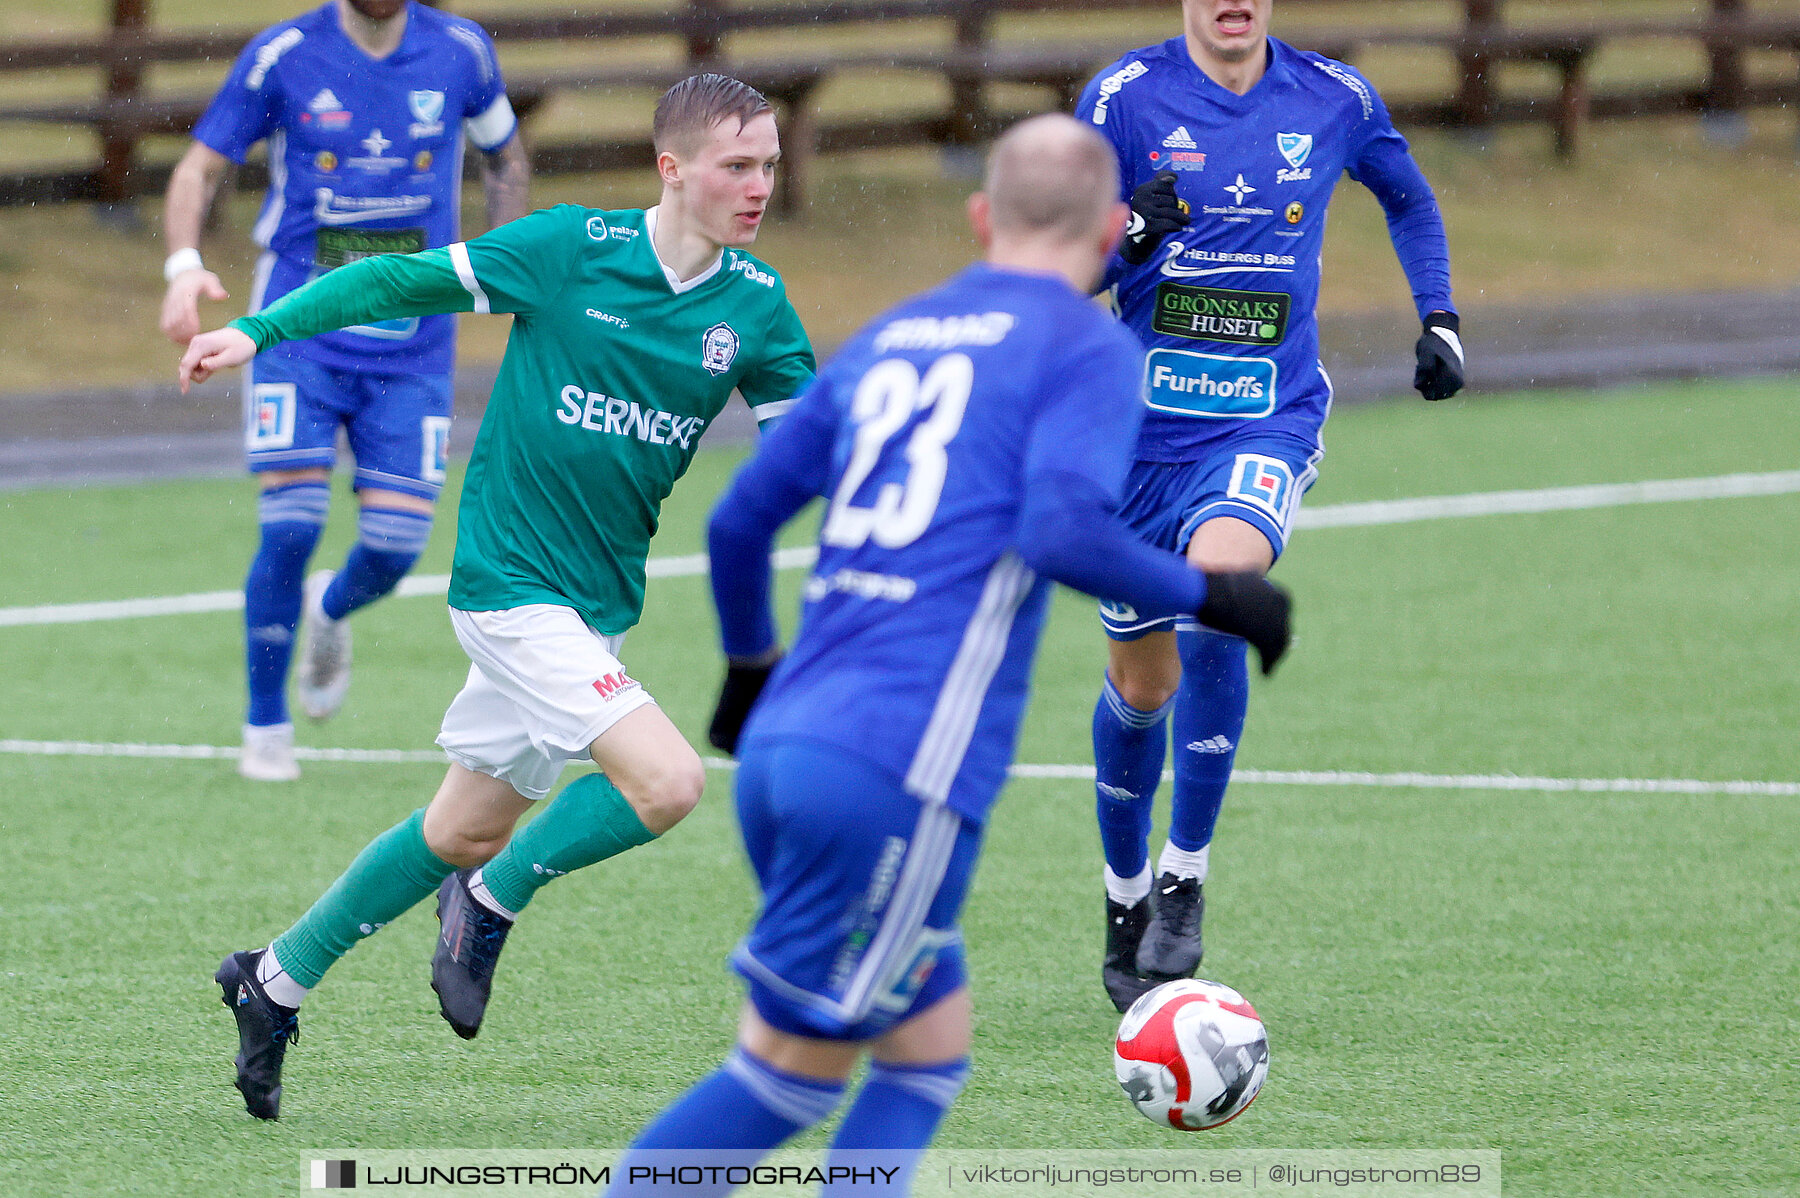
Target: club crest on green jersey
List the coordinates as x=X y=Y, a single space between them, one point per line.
x=719 y=348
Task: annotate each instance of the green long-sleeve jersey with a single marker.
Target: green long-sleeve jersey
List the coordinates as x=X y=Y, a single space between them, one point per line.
x=613 y=370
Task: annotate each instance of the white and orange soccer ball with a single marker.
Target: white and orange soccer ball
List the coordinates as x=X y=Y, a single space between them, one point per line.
x=1191 y=1054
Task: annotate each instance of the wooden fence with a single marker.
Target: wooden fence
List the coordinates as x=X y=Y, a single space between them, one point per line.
x=972 y=56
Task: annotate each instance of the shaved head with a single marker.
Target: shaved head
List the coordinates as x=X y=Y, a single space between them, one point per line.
x=1051 y=175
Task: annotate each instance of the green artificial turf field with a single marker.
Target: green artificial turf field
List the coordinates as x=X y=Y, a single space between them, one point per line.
x=1598 y=983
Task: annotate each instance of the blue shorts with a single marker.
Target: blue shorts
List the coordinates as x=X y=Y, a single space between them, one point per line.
x=1257 y=478
x=398 y=424
x=861 y=888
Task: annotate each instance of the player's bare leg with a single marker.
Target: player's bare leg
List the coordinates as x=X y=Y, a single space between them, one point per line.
x=650 y=778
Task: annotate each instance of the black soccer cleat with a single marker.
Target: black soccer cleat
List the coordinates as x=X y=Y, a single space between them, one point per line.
x=468 y=947
x=265 y=1029
x=1118 y=970
x=1171 y=946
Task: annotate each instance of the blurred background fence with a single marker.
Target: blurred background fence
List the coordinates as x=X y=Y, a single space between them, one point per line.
x=97 y=115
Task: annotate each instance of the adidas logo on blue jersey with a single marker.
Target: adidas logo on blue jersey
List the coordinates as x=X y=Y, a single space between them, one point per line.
x=1181 y=139
x=325 y=101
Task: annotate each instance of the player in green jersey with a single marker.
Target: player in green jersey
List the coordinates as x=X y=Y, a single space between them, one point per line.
x=631 y=329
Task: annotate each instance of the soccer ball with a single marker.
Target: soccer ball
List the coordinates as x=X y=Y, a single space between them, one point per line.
x=1191 y=1054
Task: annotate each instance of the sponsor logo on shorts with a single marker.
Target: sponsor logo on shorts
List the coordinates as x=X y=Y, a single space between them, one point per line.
x=1218 y=314
x=436 y=463
x=864 y=920
x=1264 y=482
x=1118 y=613
x=272 y=407
x=613 y=684
x=1194 y=384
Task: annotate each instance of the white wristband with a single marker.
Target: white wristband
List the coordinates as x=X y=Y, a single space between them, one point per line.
x=180 y=262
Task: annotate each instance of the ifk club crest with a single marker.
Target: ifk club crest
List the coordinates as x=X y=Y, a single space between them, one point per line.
x=427 y=111
x=1295 y=147
x=719 y=348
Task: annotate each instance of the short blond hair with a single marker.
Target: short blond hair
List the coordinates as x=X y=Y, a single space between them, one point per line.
x=1051 y=174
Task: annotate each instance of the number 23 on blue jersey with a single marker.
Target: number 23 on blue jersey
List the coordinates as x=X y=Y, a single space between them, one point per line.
x=887 y=399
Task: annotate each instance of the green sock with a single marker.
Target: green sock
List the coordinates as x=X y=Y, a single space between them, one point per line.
x=588 y=822
x=383 y=883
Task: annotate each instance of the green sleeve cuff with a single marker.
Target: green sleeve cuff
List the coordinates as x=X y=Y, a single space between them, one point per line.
x=254 y=329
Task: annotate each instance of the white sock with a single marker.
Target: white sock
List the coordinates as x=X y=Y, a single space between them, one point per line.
x=481 y=894
x=1127 y=891
x=1182 y=863
x=282 y=989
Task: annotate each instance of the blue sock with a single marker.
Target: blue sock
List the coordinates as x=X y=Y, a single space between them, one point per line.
x=1128 y=761
x=291 y=518
x=735 y=1117
x=390 y=541
x=1209 y=719
x=895 y=1114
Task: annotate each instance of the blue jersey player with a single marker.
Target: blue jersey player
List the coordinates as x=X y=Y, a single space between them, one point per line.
x=970 y=445
x=364 y=106
x=1230 y=144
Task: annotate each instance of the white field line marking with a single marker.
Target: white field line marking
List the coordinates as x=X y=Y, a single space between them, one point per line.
x=415 y=585
x=1342 y=515
x=1399 y=781
x=1550 y=499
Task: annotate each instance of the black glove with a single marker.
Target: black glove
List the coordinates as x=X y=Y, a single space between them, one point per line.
x=1250 y=606
x=1156 y=212
x=1439 y=374
x=743 y=683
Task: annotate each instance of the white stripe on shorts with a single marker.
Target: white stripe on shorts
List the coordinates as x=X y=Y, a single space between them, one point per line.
x=896 y=941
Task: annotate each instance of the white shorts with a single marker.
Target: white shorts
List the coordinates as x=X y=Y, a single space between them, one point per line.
x=542 y=688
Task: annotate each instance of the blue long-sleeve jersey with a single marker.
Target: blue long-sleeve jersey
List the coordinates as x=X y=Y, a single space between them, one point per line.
x=1226 y=308
x=971 y=445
